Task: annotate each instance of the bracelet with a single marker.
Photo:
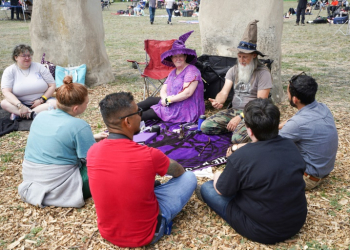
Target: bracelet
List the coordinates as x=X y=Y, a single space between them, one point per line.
x=44 y=98
x=167 y=101
x=19 y=105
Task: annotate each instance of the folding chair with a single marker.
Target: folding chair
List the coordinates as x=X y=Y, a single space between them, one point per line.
x=154 y=68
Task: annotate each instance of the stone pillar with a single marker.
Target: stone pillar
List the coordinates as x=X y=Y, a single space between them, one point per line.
x=222 y=26
x=71 y=33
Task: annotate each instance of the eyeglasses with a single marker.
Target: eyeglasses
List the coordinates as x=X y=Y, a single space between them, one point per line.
x=139 y=112
x=26 y=56
x=295 y=77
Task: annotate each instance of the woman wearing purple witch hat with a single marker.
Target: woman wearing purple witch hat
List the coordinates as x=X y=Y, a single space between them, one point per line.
x=182 y=95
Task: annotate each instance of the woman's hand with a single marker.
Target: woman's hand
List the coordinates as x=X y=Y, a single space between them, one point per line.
x=23 y=111
x=163 y=102
x=100 y=136
x=36 y=103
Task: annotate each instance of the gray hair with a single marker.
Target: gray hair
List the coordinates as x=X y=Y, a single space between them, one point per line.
x=19 y=49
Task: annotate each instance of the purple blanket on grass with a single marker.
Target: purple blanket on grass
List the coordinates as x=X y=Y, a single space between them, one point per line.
x=195 y=151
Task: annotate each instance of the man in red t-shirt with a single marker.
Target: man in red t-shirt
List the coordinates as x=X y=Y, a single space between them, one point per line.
x=131 y=211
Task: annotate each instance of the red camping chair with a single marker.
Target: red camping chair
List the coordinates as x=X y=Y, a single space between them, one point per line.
x=154 y=68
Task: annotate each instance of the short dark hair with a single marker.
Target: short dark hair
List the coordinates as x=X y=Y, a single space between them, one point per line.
x=21 y=48
x=114 y=106
x=263 y=118
x=304 y=88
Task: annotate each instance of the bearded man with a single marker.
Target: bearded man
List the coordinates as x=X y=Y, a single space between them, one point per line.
x=249 y=79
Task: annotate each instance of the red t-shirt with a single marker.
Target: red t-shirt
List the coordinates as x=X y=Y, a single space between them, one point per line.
x=335 y=3
x=121 y=177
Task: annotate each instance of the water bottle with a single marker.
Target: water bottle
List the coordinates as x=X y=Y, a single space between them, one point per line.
x=142 y=125
x=200 y=121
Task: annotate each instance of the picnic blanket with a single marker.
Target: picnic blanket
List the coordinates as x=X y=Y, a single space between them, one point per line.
x=195 y=150
x=190 y=22
x=23 y=125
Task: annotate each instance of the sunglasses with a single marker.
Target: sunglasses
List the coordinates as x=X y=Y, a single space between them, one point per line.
x=139 y=112
x=295 y=77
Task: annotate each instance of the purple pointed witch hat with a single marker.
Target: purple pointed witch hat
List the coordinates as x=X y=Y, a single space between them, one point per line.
x=177 y=49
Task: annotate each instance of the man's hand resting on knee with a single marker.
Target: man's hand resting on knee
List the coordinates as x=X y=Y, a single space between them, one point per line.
x=231 y=126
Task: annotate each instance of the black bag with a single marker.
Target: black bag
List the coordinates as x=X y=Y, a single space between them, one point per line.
x=213 y=70
x=121 y=12
x=7 y=126
x=320 y=20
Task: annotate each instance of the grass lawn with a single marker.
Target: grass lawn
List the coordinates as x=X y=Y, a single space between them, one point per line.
x=315 y=49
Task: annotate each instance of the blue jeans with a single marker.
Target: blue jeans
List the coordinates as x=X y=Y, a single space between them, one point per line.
x=172 y=197
x=215 y=201
x=152 y=11
x=170 y=13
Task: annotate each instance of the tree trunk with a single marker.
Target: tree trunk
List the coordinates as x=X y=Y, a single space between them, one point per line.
x=71 y=33
x=222 y=24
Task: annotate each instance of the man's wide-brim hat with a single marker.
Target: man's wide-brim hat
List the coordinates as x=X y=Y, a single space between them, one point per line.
x=249 y=40
x=179 y=48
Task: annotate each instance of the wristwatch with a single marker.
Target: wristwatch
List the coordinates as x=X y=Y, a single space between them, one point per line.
x=234 y=147
x=167 y=101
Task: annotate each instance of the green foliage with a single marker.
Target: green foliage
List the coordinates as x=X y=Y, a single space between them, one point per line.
x=3 y=243
x=33 y=232
x=6 y=157
x=315 y=245
x=332 y=213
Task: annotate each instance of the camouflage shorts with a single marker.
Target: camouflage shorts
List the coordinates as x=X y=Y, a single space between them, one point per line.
x=216 y=124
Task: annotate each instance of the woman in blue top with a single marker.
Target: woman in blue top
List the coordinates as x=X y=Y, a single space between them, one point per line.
x=57 y=143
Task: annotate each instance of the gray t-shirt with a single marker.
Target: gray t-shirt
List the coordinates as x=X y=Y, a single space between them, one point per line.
x=169 y=4
x=27 y=88
x=260 y=80
x=314 y=132
x=152 y=3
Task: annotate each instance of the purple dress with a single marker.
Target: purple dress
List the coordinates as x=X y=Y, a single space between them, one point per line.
x=187 y=110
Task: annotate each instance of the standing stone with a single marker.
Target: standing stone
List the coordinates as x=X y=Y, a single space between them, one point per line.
x=71 y=32
x=223 y=24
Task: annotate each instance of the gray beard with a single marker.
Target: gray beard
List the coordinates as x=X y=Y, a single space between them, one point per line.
x=245 y=72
